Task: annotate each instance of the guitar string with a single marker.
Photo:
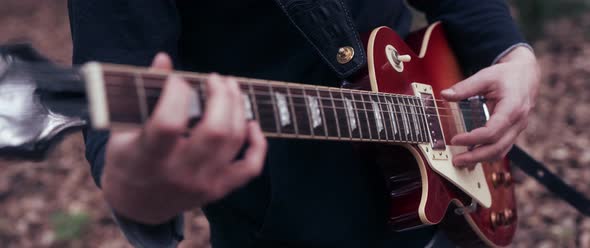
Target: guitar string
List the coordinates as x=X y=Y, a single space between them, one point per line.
x=270 y=115
x=45 y=70
x=269 y=84
x=452 y=108
x=363 y=108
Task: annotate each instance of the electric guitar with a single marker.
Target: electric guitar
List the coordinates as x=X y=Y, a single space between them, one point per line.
x=391 y=110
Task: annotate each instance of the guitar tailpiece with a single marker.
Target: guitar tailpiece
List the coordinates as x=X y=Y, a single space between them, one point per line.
x=468 y=209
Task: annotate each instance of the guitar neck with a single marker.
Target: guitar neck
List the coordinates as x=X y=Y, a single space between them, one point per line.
x=125 y=94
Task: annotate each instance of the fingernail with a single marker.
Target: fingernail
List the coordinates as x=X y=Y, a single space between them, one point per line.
x=448 y=92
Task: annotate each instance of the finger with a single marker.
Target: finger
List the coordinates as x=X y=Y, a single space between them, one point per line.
x=215 y=127
x=501 y=119
x=240 y=172
x=490 y=152
x=239 y=120
x=169 y=119
x=477 y=84
x=162 y=61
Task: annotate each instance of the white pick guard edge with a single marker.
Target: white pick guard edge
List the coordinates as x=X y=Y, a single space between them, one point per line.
x=472 y=182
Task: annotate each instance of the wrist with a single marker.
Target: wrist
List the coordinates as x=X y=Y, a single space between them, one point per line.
x=518 y=53
x=135 y=201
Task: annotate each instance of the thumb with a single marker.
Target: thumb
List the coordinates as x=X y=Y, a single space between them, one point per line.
x=162 y=61
x=472 y=86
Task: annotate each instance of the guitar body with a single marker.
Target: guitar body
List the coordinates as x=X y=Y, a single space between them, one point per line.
x=419 y=195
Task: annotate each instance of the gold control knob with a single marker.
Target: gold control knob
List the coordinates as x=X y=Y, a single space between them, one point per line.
x=507 y=178
x=510 y=217
x=498 y=219
x=497 y=179
x=494 y=219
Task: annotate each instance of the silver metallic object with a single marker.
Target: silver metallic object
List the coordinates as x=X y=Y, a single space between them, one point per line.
x=27 y=122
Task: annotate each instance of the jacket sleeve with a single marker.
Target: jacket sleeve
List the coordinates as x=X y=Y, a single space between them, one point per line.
x=480 y=32
x=125 y=32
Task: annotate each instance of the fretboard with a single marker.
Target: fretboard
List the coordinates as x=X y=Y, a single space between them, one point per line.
x=129 y=95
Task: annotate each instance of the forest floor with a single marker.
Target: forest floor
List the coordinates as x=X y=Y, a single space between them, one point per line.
x=54 y=203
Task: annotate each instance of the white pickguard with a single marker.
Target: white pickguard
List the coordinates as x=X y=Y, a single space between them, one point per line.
x=472 y=182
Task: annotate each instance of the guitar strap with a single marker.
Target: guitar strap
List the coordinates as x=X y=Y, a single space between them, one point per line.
x=328 y=27
x=551 y=181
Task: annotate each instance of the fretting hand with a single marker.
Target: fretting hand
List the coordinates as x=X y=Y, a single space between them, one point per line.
x=510 y=88
x=153 y=174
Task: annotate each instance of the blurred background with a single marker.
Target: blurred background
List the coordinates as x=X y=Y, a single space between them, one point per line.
x=55 y=203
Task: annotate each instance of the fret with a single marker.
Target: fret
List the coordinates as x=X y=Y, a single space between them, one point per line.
x=142 y=101
x=417 y=117
x=422 y=119
x=300 y=111
x=152 y=92
x=361 y=114
x=401 y=117
x=322 y=111
x=329 y=113
x=368 y=109
x=122 y=98
x=252 y=98
x=351 y=114
x=342 y=114
x=336 y=117
x=395 y=133
x=386 y=116
x=293 y=113
x=405 y=118
x=195 y=110
x=247 y=101
x=315 y=113
x=275 y=109
x=265 y=107
x=410 y=117
x=414 y=114
x=285 y=110
x=383 y=116
x=247 y=106
x=378 y=114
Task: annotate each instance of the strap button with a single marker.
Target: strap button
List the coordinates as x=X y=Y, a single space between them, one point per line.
x=345 y=54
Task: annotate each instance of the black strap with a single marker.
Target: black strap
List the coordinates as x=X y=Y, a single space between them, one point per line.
x=551 y=181
x=328 y=26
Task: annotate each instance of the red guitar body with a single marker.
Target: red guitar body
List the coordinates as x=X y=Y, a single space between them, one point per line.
x=419 y=196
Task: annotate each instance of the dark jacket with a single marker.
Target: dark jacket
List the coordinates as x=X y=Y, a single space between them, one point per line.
x=311 y=193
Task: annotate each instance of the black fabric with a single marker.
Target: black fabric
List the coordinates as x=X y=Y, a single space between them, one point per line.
x=311 y=194
x=478 y=30
x=328 y=26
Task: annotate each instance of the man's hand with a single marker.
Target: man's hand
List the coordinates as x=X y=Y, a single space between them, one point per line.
x=510 y=88
x=151 y=175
